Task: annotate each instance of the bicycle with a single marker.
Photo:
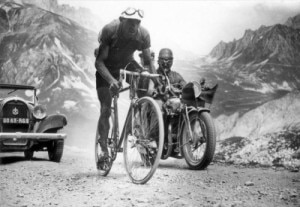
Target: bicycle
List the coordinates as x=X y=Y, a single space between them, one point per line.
x=142 y=134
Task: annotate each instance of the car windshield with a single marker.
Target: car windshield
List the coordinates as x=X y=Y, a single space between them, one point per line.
x=26 y=94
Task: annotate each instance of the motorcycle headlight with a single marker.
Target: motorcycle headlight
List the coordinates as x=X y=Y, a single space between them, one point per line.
x=174 y=104
x=39 y=112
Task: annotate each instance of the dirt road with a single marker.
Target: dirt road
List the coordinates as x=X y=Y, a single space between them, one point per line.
x=74 y=182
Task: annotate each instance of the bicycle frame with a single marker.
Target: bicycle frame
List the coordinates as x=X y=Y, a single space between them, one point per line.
x=133 y=98
x=139 y=144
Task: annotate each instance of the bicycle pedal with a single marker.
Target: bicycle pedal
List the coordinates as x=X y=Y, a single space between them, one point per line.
x=120 y=150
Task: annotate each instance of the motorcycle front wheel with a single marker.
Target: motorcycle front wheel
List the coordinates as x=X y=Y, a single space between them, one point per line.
x=199 y=149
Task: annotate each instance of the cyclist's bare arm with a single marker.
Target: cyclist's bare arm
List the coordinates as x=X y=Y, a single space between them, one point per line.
x=147 y=60
x=100 y=66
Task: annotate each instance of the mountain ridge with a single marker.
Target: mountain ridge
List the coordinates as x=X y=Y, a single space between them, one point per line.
x=278 y=43
x=82 y=16
x=37 y=48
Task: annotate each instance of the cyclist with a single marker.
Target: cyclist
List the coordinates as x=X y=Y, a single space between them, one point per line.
x=118 y=41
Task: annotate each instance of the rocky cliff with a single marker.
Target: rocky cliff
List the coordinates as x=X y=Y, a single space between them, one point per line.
x=82 y=16
x=51 y=52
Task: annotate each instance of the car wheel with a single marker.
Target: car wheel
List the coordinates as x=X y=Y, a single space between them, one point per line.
x=28 y=154
x=55 y=150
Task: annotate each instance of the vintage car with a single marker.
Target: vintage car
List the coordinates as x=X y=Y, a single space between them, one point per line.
x=25 y=126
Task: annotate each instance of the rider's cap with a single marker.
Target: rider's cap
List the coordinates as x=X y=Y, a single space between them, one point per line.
x=132 y=13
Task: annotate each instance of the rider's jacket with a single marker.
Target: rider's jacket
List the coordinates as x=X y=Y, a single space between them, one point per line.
x=120 y=50
x=175 y=78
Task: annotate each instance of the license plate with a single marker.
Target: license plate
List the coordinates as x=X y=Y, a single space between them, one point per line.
x=15 y=121
x=22 y=142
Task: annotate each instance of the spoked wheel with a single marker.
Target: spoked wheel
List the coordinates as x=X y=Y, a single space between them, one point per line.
x=104 y=167
x=143 y=141
x=199 y=150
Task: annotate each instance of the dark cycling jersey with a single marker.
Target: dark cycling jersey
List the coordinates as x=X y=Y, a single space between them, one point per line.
x=120 y=50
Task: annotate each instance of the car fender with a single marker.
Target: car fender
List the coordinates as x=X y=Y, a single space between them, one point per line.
x=56 y=121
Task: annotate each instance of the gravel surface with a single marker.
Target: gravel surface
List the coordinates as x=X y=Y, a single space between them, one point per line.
x=75 y=182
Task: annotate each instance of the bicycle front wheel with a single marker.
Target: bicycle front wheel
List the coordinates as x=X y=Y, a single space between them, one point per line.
x=143 y=141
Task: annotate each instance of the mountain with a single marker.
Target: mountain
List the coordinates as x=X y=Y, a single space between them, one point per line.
x=277 y=44
x=293 y=22
x=266 y=59
x=82 y=16
x=49 y=5
x=257 y=102
x=51 y=52
x=261 y=66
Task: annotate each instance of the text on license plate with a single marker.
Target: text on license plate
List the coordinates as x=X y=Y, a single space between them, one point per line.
x=15 y=121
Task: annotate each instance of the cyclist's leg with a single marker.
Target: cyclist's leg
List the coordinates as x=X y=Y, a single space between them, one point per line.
x=105 y=112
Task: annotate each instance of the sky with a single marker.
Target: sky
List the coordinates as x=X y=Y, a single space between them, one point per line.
x=196 y=26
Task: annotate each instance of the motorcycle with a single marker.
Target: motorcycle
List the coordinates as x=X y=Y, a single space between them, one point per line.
x=189 y=128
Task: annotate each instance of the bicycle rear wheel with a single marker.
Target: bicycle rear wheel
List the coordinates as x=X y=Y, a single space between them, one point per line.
x=143 y=141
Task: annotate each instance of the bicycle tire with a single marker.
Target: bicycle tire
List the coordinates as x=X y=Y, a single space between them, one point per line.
x=143 y=140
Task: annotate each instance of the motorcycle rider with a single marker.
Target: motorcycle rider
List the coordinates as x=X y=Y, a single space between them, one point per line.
x=165 y=62
x=118 y=41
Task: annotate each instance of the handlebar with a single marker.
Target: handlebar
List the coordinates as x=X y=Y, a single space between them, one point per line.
x=137 y=74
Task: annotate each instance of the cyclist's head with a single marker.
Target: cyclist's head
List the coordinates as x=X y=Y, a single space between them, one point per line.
x=165 y=59
x=132 y=13
x=130 y=21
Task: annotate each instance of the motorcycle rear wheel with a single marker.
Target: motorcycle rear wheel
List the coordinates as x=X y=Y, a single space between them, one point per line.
x=199 y=151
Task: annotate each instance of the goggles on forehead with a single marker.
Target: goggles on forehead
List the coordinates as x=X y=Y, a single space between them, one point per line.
x=131 y=11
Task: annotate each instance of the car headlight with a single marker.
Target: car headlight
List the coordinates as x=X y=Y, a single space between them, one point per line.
x=39 y=112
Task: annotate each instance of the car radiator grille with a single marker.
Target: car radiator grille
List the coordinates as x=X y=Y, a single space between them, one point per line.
x=15 y=117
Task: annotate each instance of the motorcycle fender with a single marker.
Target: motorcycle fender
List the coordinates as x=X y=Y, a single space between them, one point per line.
x=56 y=121
x=201 y=109
x=198 y=109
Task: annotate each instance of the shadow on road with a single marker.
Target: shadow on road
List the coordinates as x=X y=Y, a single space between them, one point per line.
x=13 y=159
x=172 y=164
x=110 y=176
